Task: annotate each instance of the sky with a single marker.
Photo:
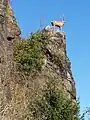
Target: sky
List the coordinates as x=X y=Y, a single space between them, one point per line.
x=77 y=28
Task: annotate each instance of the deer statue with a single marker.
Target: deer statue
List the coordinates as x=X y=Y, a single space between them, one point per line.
x=59 y=23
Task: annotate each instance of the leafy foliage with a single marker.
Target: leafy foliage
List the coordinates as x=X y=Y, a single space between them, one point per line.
x=54 y=105
x=29 y=53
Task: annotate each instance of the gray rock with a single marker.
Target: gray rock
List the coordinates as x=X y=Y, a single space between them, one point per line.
x=57 y=64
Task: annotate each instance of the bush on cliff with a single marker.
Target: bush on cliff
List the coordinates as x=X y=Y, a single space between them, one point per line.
x=29 y=53
x=53 y=105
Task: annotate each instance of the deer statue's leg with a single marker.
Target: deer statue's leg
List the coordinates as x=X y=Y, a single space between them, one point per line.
x=54 y=27
x=60 y=28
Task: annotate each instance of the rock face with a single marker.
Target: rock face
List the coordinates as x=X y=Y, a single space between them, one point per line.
x=13 y=29
x=57 y=63
x=8 y=31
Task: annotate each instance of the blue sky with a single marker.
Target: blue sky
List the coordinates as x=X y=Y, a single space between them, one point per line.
x=77 y=14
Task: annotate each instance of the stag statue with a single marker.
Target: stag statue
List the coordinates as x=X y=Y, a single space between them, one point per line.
x=58 y=23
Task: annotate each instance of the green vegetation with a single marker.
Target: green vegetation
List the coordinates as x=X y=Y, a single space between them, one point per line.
x=53 y=105
x=29 y=53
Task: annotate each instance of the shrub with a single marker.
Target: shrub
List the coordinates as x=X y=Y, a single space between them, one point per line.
x=54 y=105
x=29 y=53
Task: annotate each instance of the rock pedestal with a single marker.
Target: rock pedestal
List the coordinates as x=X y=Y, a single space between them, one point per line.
x=57 y=64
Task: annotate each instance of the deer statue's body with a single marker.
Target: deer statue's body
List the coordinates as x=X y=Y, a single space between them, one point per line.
x=58 y=23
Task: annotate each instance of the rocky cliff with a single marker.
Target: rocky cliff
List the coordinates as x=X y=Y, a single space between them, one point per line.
x=16 y=88
x=57 y=63
x=9 y=31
